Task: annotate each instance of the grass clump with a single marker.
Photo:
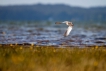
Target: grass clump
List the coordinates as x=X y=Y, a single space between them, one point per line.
x=39 y=58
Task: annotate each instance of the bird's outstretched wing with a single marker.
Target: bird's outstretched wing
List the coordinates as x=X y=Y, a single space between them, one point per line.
x=68 y=31
x=57 y=22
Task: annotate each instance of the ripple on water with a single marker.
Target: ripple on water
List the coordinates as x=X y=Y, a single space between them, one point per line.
x=50 y=36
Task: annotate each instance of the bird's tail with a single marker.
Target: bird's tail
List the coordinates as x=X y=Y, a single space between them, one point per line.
x=57 y=22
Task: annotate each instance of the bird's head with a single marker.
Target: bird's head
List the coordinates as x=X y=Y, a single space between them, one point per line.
x=71 y=24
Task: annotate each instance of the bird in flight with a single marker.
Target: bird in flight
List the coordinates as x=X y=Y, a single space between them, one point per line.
x=68 y=29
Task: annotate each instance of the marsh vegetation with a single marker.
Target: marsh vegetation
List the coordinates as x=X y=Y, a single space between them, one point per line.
x=49 y=58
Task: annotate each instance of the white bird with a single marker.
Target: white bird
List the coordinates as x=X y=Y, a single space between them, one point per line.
x=68 y=29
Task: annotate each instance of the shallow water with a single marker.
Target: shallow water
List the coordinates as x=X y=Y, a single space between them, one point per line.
x=50 y=34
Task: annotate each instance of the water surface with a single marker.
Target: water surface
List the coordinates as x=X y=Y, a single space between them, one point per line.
x=48 y=33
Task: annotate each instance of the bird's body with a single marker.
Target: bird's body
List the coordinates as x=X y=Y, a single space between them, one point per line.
x=68 y=29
